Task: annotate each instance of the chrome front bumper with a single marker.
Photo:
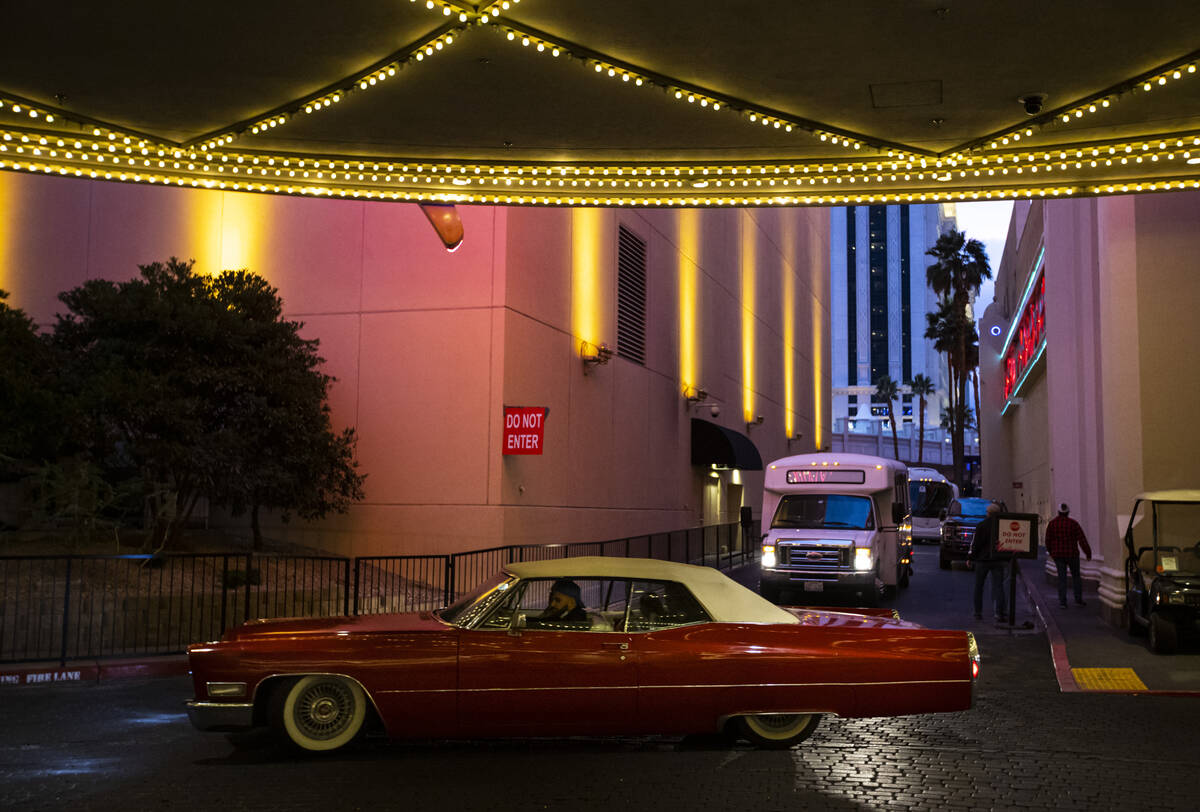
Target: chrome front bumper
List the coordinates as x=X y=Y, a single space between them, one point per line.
x=220 y=715
x=831 y=578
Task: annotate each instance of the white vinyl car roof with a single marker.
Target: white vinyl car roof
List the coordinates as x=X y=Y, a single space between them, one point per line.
x=1170 y=496
x=724 y=599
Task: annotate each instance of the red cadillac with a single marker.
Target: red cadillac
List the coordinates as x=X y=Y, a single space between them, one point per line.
x=580 y=646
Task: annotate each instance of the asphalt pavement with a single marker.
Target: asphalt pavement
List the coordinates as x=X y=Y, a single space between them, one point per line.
x=123 y=742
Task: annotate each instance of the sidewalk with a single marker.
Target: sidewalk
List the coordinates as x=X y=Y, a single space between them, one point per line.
x=1091 y=655
x=38 y=673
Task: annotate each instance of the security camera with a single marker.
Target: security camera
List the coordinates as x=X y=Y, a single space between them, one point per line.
x=714 y=410
x=1033 y=103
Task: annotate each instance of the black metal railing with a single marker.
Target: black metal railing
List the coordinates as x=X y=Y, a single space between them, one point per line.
x=75 y=607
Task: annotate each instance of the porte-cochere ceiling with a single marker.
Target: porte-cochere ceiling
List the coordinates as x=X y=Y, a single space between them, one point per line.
x=609 y=102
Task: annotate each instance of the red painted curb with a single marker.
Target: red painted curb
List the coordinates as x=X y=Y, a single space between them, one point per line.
x=91 y=670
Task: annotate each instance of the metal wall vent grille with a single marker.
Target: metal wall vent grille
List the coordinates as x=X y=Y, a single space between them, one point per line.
x=631 y=296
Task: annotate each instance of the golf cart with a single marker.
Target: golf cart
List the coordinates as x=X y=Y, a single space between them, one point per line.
x=1162 y=567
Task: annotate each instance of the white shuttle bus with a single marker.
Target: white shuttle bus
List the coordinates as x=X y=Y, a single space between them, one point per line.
x=835 y=522
x=929 y=496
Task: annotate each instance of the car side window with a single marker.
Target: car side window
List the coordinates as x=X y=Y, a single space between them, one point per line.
x=663 y=605
x=563 y=604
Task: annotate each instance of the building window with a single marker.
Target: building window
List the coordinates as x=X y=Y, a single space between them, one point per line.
x=851 y=298
x=877 y=218
x=905 y=291
x=631 y=296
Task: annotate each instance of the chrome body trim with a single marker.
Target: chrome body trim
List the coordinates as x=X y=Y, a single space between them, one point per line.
x=678 y=686
x=220 y=715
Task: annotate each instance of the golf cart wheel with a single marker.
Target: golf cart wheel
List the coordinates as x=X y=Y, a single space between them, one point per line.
x=1164 y=637
x=1129 y=619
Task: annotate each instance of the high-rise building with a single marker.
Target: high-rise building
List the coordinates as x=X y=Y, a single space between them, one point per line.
x=878 y=301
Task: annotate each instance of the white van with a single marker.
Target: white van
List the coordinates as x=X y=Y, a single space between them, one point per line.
x=929 y=496
x=835 y=522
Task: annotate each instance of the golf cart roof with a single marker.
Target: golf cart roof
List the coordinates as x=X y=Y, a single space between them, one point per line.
x=1170 y=496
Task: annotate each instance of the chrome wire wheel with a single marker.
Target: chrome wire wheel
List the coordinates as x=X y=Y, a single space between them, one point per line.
x=320 y=712
x=778 y=730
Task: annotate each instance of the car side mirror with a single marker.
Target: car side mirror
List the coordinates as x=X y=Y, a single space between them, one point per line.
x=898 y=513
x=518 y=623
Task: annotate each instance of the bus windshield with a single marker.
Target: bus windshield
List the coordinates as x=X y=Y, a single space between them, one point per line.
x=929 y=499
x=833 y=511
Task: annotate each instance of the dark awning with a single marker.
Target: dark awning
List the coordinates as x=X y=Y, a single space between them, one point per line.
x=725 y=448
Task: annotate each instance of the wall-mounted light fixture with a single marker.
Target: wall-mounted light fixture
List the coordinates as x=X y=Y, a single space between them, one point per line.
x=594 y=354
x=757 y=421
x=694 y=394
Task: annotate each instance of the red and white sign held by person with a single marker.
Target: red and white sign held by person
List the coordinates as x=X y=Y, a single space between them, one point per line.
x=524 y=429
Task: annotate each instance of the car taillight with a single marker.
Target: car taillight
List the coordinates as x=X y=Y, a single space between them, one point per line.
x=973 y=654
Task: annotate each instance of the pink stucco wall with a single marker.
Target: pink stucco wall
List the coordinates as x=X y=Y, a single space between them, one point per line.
x=428 y=346
x=1109 y=413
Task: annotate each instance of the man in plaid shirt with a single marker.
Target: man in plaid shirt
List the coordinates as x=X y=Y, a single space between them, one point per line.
x=1064 y=539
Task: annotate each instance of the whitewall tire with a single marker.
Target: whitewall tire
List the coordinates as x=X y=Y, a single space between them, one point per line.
x=320 y=712
x=777 y=731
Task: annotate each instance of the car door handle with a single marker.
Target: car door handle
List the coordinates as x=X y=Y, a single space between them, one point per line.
x=622 y=646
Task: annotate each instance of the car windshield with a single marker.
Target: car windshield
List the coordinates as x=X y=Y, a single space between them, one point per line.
x=477 y=601
x=929 y=498
x=833 y=511
x=969 y=508
x=1178 y=537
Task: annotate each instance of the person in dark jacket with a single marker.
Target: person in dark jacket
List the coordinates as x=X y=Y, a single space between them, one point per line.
x=982 y=559
x=1064 y=540
x=566 y=602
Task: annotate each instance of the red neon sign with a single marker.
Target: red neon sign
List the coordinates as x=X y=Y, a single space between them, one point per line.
x=1031 y=332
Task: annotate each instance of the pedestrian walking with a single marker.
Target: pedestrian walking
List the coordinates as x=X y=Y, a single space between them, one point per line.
x=1064 y=540
x=983 y=559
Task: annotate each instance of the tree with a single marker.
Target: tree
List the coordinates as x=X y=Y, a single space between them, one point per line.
x=29 y=408
x=961 y=267
x=922 y=387
x=888 y=390
x=199 y=387
x=291 y=460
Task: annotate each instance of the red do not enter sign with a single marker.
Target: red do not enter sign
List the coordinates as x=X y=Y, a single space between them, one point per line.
x=524 y=429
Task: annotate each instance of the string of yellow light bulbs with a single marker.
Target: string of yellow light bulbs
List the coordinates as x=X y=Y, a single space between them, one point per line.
x=182 y=179
x=1091 y=104
x=1082 y=158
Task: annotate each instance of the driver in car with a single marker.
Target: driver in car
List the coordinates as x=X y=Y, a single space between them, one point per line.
x=566 y=602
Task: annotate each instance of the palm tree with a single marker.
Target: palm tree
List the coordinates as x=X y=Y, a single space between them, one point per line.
x=922 y=387
x=887 y=390
x=961 y=267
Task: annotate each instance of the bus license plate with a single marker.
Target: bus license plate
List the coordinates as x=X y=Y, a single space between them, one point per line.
x=814 y=586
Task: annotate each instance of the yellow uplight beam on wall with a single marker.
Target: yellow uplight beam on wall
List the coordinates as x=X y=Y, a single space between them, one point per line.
x=749 y=239
x=688 y=222
x=585 y=273
x=8 y=228
x=789 y=338
x=244 y=217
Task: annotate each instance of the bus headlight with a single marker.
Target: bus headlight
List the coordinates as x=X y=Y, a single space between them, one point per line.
x=768 y=555
x=862 y=558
